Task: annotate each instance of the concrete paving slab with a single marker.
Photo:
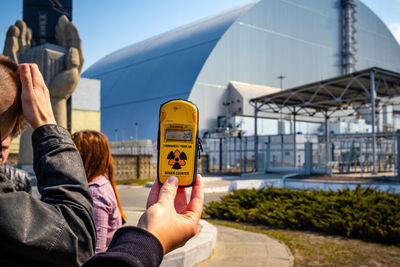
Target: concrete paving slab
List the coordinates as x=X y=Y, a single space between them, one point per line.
x=241 y=248
x=278 y=263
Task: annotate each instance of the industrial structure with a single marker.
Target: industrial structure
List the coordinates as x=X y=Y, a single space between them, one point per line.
x=336 y=97
x=304 y=41
x=223 y=62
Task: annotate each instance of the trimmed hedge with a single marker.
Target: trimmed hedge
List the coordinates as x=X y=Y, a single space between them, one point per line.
x=363 y=213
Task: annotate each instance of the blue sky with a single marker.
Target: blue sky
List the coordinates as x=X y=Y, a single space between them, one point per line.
x=106 y=26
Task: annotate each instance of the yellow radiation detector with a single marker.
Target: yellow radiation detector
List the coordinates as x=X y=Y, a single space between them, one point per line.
x=178 y=142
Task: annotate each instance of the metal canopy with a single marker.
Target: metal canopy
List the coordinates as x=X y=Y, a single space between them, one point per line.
x=351 y=91
x=339 y=93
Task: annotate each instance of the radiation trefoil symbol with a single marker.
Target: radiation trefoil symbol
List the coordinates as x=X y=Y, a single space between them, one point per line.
x=177 y=159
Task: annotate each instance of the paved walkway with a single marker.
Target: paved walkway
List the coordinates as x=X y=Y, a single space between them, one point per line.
x=241 y=248
x=234 y=247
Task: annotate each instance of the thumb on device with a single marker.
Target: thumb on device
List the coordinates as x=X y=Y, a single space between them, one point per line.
x=168 y=191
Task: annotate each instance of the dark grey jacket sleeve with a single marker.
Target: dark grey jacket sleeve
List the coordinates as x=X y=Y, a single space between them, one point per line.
x=19 y=178
x=130 y=247
x=57 y=230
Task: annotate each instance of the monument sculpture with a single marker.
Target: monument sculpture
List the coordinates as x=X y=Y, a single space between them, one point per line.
x=61 y=66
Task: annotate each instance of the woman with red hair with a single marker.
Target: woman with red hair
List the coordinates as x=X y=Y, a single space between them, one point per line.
x=99 y=166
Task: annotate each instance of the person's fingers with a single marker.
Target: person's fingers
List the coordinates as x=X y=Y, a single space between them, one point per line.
x=37 y=78
x=35 y=97
x=153 y=195
x=26 y=78
x=181 y=201
x=195 y=205
x=168 y=191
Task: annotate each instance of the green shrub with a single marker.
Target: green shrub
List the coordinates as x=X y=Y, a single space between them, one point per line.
x=364 y=213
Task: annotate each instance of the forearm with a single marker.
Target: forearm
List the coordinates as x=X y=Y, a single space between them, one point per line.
x=58 y=167
x=62 y=184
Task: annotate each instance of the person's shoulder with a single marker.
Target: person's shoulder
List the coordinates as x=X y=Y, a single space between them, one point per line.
x=101 y=189
x=99 y=181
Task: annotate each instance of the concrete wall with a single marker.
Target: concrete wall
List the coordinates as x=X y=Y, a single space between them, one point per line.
x=142 y=167
x=85 y=105
x=134 y=167
x=85 y=119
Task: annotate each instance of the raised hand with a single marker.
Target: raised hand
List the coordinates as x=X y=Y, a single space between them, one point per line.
x=35 y=97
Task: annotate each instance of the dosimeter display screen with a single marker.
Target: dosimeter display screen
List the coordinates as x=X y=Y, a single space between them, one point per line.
x=178 y=135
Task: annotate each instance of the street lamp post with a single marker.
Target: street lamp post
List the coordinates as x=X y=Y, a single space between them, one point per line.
x=226 y=133
x=116 y=134
x=281 y=129
x=281 y=126
x=136 y=129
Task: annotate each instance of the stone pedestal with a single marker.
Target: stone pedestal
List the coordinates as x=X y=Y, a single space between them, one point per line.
x=50 y=60
x=48 y=57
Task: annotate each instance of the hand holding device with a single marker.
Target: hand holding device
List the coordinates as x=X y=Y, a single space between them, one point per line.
x=169 y=216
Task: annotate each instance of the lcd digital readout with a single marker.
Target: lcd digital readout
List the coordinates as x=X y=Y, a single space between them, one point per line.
x=178 y=135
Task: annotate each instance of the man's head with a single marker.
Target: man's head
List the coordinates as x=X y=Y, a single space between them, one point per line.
x=11 y=117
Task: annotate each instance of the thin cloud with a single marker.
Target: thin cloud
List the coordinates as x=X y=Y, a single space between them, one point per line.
x=395 y=28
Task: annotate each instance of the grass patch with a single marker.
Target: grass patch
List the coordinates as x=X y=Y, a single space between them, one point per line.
x=316 y=249
x=135 y=182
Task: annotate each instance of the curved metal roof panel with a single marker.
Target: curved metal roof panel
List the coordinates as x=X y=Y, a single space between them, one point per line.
x=163 y=67
x=172 y=42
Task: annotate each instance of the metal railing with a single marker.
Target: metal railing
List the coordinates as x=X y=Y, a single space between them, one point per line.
x=352 y=153
x=342 y=154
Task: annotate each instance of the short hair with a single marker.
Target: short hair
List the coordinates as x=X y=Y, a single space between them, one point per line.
x=9 y=80
x=96 y=156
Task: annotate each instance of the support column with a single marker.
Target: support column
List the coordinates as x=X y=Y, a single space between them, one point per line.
x=234 y=151
x=245 y=159
x=294 y=140
x=327 y=145
x=268 y=158
x=264 y=160
x=373 y=94
x=398 y=152
x=255 y=138
x=308 y=158
x=220 y=154
x=241 y=154
x=281 y=151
